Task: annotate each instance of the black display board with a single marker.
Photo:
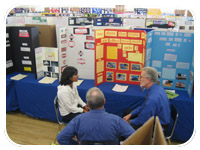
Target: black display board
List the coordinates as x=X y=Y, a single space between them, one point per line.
x=80 y=21
x=24 y=41
x=9 y=52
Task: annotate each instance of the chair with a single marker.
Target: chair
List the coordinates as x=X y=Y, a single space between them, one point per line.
x=85 y=142
x=174 y=116
x=60 y=122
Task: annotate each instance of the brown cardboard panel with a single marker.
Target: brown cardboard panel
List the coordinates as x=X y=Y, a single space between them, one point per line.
x=159 y=138
x=47 y=34
x=143 y=136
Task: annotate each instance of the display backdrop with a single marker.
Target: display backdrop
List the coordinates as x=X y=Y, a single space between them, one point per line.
x=119 y=55
x=46 y=62
x=171 y=53
x=80 y=50
x=24 y=41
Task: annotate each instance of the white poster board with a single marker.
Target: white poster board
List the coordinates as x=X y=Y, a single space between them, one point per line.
x=61 y=33
x=46 y=62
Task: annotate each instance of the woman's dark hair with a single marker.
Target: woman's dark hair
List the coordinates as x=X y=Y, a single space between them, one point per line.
x=67 y=73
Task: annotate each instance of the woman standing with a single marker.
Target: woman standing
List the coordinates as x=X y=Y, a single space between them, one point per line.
x=70 y=103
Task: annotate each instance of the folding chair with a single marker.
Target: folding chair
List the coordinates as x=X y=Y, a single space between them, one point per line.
x=60 y=122
x=174 y=116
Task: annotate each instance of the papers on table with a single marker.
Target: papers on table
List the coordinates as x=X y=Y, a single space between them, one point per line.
x=18 y=77
x=120 y=88
x=79 y=82
x=171 y=94
x=47 y=80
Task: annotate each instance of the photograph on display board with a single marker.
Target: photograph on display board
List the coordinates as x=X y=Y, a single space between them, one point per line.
x=134 y=77
x=136 y=67
x=123 y=66
x=46 y=62
x=47 y=74
x=54 y=63
x=181 y=76
x=168 y=83
x=121 y=76
x=111 y=65
x=55 y=75
x=180 y=85
x=109 y=76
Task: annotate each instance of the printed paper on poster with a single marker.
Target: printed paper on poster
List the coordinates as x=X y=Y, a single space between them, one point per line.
x=170 y=57
x=169 y=73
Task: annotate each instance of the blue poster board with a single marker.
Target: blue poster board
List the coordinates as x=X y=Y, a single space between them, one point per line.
x=171 y=53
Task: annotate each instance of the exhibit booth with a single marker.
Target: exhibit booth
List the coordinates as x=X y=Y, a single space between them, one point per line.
x=108 y=57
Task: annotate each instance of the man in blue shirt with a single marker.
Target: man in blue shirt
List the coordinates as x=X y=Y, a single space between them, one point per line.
x=95 y=125
x=156 y=103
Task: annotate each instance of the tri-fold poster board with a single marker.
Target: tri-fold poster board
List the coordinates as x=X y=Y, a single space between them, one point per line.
x=46 y=62
x=172 y=54
x=119 y=55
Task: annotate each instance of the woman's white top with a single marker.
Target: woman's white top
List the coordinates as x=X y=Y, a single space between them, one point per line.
x=68 y=99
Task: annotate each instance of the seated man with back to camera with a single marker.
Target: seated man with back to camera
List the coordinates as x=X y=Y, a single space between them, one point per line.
x=95 y=125
x=156 y=102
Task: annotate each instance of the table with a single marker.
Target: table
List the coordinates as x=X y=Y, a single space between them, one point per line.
x=37 y=100
x=185 y=124
x=11 y=97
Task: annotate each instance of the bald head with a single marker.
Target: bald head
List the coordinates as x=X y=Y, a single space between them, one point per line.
x=95 y=98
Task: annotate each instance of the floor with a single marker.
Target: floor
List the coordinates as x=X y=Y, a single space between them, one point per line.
x=26 y=130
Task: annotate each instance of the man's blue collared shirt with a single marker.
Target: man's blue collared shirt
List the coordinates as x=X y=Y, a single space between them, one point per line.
x=157 y=104
x=96 y=125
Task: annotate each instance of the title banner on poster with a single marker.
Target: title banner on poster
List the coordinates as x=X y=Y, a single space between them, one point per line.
x=119 y=55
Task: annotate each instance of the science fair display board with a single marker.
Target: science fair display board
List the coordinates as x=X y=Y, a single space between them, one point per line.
x=172 y=53
x=46 y=62
x=24 y=41
x=50 y=62
x=61 y=33
x=9 y=52
x=80 y=21
x=119 y=55
x=80 y=50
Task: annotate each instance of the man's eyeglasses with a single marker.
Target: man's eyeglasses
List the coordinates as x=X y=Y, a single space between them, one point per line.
x=142 y=77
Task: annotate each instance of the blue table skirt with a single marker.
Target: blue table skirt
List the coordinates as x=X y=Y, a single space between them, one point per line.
x=36 y=99
x=185 y=124
x=11 y=97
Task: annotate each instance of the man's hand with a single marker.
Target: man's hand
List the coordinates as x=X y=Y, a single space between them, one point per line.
x=86 y=107
x=84 y=110
x=127 y=118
